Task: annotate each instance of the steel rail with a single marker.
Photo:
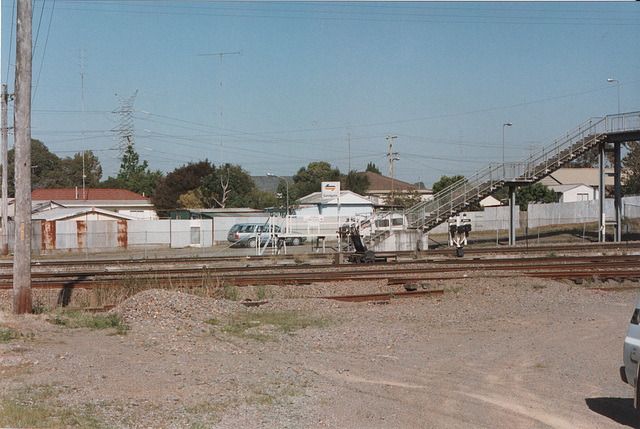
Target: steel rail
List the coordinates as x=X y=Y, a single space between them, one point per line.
x=628 y=266
x=564 y=248
x=347 y=269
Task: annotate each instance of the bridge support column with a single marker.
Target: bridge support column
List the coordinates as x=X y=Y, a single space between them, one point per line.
x=617 y=203
x=512 y=215
x=601 y=193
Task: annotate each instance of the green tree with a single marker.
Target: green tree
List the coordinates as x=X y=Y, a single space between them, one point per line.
x=45 y=167
x=71 y=170
x=591 y=159
x=373 y=168
x=536 y=192
x=404 y=199
x=631 y=166
x=257 y=199
x=308 y=180
x=192 y=199
x=180 y=181
x=228 y=186
x=358 y=183
x=136 y=176
x=446 y=181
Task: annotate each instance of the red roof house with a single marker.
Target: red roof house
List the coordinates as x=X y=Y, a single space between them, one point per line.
x=116 y=200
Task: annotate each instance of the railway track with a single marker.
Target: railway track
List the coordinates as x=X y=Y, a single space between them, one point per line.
x=558 y=267
x=432 y=255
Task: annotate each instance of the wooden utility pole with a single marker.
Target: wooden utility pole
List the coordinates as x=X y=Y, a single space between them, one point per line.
x=392 y=157
x=22 y=146
x=5 y=172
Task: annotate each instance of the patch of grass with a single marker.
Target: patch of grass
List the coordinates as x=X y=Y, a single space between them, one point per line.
x=10 y=371
x=454 y=290
x=538 y=287
x=540 y=366
x=213 y=321
x=551 y=255
x=209 y=410
x=275 y=393
x=262 y=326
x=78 y=319
x=37 y=406
x=8 y=334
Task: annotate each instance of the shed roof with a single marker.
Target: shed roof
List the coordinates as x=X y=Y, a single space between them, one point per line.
x=346 y=197
x=63 y=213
x=576 y=176
x=565 y=188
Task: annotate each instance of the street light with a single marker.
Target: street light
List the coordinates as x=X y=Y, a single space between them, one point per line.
x=287 y=184
x=618 y=83
x=504 y=125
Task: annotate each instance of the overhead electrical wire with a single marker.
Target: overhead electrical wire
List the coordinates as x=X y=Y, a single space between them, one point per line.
x=13 y=11
x=409 y=17
x=44 y=49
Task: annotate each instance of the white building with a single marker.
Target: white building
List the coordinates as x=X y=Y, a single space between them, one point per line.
x=346 y=204
x=572 y=193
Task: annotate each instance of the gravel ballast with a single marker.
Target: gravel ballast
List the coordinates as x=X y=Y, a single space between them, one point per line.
x=489 y=352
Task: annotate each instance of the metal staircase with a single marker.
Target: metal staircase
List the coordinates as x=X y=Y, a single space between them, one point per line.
x=461 y=195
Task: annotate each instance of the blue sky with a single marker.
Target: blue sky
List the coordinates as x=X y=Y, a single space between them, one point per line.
x=325 y=81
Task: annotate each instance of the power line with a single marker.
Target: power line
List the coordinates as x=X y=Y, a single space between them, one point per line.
x=44 y=49
x=13 y=11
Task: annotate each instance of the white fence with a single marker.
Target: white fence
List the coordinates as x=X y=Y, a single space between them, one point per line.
x=95 y=236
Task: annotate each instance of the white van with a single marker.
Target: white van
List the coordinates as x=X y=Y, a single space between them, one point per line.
x=631 y=354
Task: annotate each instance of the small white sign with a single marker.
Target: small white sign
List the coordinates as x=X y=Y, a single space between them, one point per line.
x=330 y=189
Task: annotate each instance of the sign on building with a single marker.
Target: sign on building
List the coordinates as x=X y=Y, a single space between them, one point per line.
x=330 y=189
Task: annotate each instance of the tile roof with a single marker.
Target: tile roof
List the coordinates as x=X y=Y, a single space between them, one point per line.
x=378 y=182
x=90 y=195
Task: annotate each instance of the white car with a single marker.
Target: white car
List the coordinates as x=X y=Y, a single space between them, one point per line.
x=631 y=354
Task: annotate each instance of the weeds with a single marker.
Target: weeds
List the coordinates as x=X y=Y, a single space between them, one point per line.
x=37 y=406
x=8 y=334
x=274 y=393
x=538 y=287
x=551 y=255
x=262 y=326
x=230 y=292
x=261 y=292
x=300 y=258
x=78 y=319
x=454 y=290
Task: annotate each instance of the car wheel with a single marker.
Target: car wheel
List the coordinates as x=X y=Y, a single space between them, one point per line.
x=295 y=241
x=251 y=242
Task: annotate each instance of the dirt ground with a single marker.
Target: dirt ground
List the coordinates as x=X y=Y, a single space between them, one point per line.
x=488 y=353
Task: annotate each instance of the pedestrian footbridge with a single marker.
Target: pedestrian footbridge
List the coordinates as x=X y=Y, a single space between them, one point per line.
x=606 y=133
